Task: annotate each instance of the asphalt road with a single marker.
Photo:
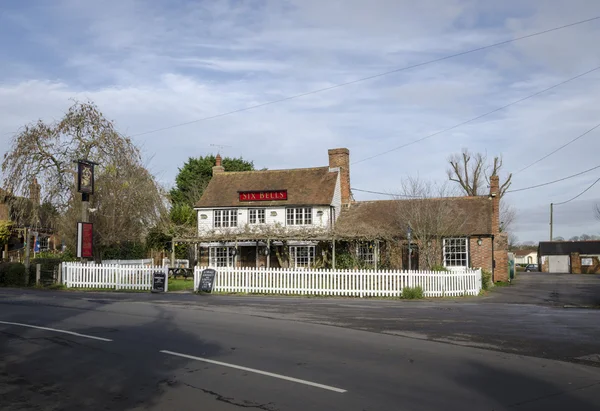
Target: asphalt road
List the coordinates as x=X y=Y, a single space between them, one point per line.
x=295 y=354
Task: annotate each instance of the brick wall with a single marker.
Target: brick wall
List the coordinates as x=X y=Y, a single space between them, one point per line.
x=481 y=255
x=591 y=269
x=545 y=265
x=501 y=257
x=575 y=263
x=340 y=158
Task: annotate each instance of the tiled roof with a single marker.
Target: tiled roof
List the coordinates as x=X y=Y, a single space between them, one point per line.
x=305 y=186
x=389 y=218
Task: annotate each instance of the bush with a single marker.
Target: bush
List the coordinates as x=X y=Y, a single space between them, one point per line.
x=486 y=279
x=13 y=275
x=438 y=267
x=412 y=293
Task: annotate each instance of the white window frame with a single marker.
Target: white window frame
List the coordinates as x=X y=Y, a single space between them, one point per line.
x=366 y=252
x=225 y=218
x=302 y=256
x=221 y=257
x=450 y=245
x=299 y=216
x=257 y=216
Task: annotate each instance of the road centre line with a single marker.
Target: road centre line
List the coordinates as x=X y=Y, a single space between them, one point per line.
x=269 y=374
x=58 y=331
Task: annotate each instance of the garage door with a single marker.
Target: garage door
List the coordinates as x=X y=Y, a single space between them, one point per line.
x=558 y=264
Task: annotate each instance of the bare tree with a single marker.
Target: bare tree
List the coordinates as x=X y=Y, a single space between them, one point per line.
x=127 y=198
x=472 y=171
x=430 y=213
x=513 y=241
x=508 y=215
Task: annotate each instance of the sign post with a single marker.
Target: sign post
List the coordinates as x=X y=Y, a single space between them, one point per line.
x=85 y=240
x=207 y=280
x=85 y=186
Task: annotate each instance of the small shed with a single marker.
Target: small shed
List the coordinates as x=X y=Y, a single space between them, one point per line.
x=576 y=257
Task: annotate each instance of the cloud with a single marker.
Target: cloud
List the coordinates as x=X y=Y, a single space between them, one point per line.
x=149 y=66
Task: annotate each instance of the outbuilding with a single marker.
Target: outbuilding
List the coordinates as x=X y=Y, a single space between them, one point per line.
x=575 y=257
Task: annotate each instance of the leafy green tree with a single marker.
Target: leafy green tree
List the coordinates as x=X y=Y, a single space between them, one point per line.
x=195 y=174
x=4 y=232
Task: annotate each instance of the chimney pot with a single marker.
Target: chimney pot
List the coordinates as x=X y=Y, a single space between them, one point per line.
x=218 y=168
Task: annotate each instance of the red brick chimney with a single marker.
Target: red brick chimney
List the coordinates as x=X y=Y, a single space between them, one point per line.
x=340 y=158
x=218 y=168
x=495 y=196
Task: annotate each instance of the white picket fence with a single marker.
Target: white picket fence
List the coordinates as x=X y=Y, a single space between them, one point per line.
x=114 y=276
x=352 y=283
x=355 y=283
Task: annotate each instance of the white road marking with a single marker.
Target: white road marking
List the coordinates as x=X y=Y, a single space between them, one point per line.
x=57 y=331
x=270 y=374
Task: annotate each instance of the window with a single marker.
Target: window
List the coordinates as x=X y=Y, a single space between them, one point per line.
x=44 y=244
x=220 y=257
x=299 y=216
x=302 y=256
x=366 y=253
x=257 y=216
x=225 y=218
x=455 y=252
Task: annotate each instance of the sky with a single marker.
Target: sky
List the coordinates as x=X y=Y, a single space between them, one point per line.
x=152 y=64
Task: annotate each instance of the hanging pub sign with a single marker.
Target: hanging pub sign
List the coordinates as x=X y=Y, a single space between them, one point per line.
x=85 y=240
x=269 y=195
x=85 y=177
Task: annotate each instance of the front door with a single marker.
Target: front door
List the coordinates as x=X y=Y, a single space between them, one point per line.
x=248 y=256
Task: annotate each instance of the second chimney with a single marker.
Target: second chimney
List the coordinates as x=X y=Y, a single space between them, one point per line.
x=340 y=158
x=218 y=168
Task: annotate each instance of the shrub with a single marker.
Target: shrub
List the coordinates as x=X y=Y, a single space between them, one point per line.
x=486 y=279
x=412 y=293
x=13 y=275
x=438 y=267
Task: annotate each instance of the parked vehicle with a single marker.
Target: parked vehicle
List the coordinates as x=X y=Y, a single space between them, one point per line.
x=531 y=267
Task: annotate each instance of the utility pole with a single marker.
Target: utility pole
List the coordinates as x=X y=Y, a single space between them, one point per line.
x=551 y=215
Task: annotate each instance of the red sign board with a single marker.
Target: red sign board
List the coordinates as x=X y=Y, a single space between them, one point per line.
x=85 y=240
x=271 y=195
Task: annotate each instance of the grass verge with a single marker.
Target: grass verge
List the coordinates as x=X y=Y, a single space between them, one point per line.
x=181 y=284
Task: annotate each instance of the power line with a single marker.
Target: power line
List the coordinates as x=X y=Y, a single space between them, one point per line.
x=580 y=194
x=539 y=33
x=509 y=191
x=560 y=148
x=552 y=182
x=478 y=117
x=386 y=194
